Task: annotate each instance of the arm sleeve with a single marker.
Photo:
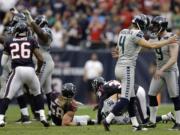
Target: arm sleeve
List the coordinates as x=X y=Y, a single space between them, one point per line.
x=137 y=36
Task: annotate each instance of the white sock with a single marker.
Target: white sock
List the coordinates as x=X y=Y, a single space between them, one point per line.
x=110 y=117
x=24 y=111
x=42 y=115
x=1 y=117
x=49 y=112
x=153 y=114
x=134 y=121
x=177 y=116
x=164 y=117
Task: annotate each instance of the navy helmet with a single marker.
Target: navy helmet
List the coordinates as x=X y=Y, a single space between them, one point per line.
x=97 y=82
x=141 y=21
x=68 y=90
x=159 y=24
x=41 y=20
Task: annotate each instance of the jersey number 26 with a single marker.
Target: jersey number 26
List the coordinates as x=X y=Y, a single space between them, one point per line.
x=20 y=51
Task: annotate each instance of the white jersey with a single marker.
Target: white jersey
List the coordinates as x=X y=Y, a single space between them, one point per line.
x=163 y=53
x=128 y=48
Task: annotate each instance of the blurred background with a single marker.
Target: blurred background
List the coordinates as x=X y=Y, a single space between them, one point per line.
x=84 y=28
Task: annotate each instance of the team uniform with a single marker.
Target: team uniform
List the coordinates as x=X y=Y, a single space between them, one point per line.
x=125 y=67
x=59 y=108
x=47 y=69
x=170 y=76
x=23 y=72
x=107 y=102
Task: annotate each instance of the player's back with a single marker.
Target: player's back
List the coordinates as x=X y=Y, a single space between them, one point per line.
x=45 y=46
x=128 y=48
x=163 y=53
x=21 y=50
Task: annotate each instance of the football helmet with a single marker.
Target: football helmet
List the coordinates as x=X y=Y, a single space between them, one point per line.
x=68 y=90
x=20 y=27
x=41 y=20
x=159 y=24
x=17 y=18
x=97 y=82
x=141 y=21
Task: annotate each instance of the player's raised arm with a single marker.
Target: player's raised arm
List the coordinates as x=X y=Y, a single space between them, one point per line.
x=36 y=25
x=1 y=39
x=39 y=58
x=144 y=43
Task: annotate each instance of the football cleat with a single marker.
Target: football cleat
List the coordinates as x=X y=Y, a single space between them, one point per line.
x=139 y=128
x=2 y=124
x=106 y=125
x=150 y=125
x=24 y=120
x=176 y=127
x=171 y=117
x=45 y=123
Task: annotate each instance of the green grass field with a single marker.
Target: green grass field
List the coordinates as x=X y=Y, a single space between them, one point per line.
x=37 y=129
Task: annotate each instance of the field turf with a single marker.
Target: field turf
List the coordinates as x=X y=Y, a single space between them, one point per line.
x=37 y=129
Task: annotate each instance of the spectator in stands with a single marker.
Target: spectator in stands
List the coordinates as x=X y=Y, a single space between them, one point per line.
x=74 y=35
x=59 y=35
x=93 y=68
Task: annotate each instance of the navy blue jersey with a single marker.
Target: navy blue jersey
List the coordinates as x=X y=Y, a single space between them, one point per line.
x=59 y=107
x=21 y=50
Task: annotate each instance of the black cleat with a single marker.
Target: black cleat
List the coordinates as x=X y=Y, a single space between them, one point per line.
x=106 y=125
x=45 y=123
x=2 y=124
x=139 y=128
x=150 y=125
x=24 y=120
x=176 y=127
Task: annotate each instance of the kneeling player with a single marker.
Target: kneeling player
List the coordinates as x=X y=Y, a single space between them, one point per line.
x=63 y=108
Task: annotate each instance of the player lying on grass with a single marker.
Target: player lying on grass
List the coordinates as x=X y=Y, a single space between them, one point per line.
x=64 y=106
x=109 y=94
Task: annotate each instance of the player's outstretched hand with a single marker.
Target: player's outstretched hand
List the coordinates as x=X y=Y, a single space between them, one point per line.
x=173 y=39
x=28 y=16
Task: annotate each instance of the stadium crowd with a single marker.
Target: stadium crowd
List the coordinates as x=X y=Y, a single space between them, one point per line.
x=92 y=24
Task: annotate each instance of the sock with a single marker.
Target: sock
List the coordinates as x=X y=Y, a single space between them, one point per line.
x=4 y=105
x=48 y=96
x=22 y=102
x=49 y=113
x=42 y=115
x=1 y=117
x=164 y=117
x=24 y=111
x=110 y=117
x=134 y=121
x=177 y=116
x=158 y=118
x=39 y=102
x=153 y=113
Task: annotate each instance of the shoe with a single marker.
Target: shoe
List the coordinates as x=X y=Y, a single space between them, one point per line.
x=106 y=125
x=139 y=128
x=2 y=124
x=150 y=125
x=24 y=120
x=171 y=117
x=45 y=123
x=175 y=127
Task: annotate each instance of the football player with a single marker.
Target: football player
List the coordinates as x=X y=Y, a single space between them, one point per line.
x=63 y=107
x=21 y=48
x=166 y=73
x=109 y=94
x=44 y=37
x=8 y=31
x=130 y=42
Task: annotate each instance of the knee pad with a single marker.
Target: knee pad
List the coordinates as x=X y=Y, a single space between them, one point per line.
x=176 y=102
x=153 y=101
